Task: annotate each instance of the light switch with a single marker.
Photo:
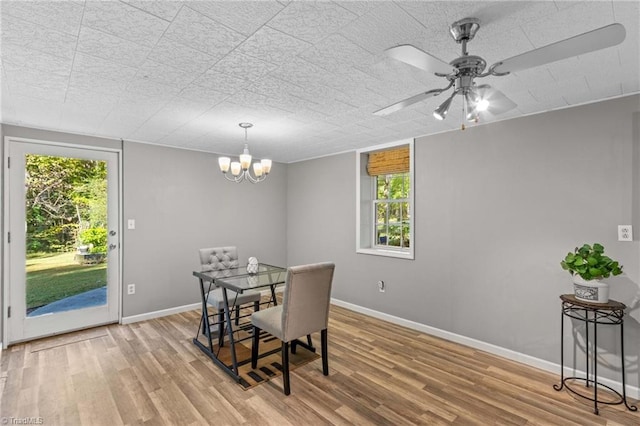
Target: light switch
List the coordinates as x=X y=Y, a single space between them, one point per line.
x=131 y=224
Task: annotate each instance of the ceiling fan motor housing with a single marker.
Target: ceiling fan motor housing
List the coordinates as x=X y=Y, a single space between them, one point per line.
x=469 y=65
x=463 y=84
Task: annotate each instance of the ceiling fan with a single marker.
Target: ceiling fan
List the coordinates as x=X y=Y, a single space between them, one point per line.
x=462 y=72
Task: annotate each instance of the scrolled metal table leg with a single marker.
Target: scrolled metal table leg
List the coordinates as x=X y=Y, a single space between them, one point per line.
x=624 y=386
x=556 y=387
x=594 y=350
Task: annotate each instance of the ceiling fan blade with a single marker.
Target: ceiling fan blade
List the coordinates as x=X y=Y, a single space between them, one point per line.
x=415 y=57
x=409 y=101
x=499 y=103
x=591 y=41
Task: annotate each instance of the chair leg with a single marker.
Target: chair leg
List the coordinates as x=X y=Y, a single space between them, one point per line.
x=255 y=341
x=325 y=352
x=309 y=342
x=220 y=327
x=285 y=367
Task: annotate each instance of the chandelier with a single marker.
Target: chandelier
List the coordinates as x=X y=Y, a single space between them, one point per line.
x=240 y=170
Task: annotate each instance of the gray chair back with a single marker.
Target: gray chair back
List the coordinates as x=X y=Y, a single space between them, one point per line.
x=306 y=299
x=219 y=258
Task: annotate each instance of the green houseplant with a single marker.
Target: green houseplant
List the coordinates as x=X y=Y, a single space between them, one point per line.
x=588 y=265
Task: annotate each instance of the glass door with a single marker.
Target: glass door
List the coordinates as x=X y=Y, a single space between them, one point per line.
x=64 y=239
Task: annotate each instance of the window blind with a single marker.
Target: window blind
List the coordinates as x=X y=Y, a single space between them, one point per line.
x=387 y=162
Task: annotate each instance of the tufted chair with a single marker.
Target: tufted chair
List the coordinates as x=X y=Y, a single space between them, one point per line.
x=304 y=310
x=221 y=259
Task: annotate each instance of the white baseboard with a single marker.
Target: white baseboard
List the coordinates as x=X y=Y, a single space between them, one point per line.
x=176 y=310
x=632 y=391
x=160 y=313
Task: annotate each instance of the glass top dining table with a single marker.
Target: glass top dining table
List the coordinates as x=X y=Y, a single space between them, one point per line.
x=232 y=281
x=240 y=280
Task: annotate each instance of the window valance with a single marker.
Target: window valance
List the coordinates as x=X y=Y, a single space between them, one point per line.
x=390 y=161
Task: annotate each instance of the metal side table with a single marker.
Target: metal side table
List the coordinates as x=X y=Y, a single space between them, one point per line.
x=611 y=313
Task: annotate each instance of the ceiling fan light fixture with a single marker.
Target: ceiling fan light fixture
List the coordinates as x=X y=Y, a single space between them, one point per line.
x=441 y=112
x=482 y=105
x=472 y=115
x=471 y=98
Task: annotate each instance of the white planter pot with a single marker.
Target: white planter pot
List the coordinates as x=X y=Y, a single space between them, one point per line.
x=593 y=291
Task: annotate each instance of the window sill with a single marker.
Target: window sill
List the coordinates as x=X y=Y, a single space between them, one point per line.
x=387 y=253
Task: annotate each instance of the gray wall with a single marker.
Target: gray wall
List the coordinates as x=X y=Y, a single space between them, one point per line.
x=181 y=202
x=497 y=207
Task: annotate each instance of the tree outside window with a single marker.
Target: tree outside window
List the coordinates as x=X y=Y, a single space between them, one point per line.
x=392 y=210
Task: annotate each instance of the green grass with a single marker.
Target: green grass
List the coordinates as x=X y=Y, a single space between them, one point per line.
x=54 y=276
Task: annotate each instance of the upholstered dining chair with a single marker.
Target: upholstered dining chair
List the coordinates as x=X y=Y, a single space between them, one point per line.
x=219 y=259
x=304 y=310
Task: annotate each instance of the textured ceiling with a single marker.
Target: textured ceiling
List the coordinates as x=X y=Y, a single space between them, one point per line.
x=308 y=75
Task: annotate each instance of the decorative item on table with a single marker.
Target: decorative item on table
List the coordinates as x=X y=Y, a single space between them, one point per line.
x=252 y=265
x=588 y=265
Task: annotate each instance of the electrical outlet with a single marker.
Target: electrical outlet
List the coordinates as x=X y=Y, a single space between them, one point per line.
x=381 y=286
x=625 y=233
x=131 y=289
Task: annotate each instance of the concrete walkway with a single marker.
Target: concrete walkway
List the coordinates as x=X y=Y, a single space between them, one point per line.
x=96 y=297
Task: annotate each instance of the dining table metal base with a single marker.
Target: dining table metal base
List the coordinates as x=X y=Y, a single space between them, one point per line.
x=228 y=330
x=233 y=372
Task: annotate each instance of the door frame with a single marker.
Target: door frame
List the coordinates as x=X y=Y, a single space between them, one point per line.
x=5 y=246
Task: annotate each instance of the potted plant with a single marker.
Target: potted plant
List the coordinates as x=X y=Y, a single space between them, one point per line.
x=588 y=265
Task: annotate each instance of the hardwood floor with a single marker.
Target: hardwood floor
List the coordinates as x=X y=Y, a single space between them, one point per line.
x=380 y=373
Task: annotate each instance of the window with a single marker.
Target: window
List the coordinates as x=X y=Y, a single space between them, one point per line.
x=391 y=207
x=385 y=200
